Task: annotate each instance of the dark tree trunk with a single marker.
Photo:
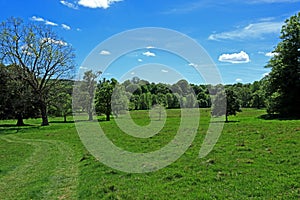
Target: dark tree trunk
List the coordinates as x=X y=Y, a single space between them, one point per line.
x=90 y=116
x=226 y=118
x=43 y=108
x=20 y=121
x=107 y=116
x=65 y=118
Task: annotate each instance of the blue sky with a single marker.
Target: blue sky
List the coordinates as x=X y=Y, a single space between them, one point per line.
x=238 y=35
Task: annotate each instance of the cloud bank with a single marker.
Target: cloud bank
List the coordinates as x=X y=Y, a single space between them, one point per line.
x=255 y=30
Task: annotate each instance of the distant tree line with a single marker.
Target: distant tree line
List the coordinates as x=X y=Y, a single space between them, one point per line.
x=37 y=81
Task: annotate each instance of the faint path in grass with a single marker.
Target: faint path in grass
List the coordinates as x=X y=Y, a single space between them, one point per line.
x=51 y=172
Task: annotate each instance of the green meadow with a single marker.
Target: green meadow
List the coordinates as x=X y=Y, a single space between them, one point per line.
x=254 y=158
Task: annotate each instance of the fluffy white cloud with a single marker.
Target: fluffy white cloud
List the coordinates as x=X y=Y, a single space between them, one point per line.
x=239 y=80
x=97 y=3
x=149 y=54
x=164 y=71
x=69 y=5
x=140 y=60
x=105 y=53
x=241 y=57
x=271 y=54
x=256 y=30
x=50 y=23
x=66 y=27
x=38 y=19
x=52 y=41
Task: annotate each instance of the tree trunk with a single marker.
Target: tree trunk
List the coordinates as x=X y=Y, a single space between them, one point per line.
x=65 y=118
x=20 y=121
x=43 y=108
x=226 y=118
x=107 y=116
x=90 y=116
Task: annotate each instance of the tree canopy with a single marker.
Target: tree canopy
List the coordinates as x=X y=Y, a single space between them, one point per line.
x=284 y=78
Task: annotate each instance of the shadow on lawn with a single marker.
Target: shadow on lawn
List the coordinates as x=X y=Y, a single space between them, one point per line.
x=62 y=122
x=12 y=128
x=277 y=117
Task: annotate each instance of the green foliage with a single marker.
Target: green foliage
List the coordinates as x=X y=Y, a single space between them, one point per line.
x=103 y=97
x=232 y=104
x=284 y=79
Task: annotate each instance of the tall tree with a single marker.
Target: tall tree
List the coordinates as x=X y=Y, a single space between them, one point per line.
x=232 y=104
x=284 y=78
x=103 y=96
x=43 y=58
x=89 y=86
x=17 y=100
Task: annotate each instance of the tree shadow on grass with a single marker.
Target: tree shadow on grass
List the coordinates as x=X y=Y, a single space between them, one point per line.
x=62 y=122
x=277 y=117
x=12 y=128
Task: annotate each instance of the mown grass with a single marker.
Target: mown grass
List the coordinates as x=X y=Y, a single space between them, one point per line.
x=253 y=159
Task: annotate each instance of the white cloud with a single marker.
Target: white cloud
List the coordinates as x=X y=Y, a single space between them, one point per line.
x=52 y=41
x=149 y=54
x=105 y=53
x=241 y=57
x=271 y=54
x=82 y=67
x=66 y=27
x=164 y=71
x=97 y=3
x=38 y=19
x=239 y=80
x=193 y=65
x=140 y=60
x=69 y=5
x=265 y=74
x=256 y=30
x=78 y=29
x=132 y=73
x=50 y=23
x=150 y=47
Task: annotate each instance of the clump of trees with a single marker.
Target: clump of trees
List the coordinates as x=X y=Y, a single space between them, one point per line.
x=36 y=80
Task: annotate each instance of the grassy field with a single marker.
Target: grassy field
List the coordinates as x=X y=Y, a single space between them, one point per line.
x=253 y=159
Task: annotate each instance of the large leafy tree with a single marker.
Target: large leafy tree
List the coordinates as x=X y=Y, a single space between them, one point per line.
x=89 y=86
x=103 y=97
x=16 y=98
x=284 y=78
x=43 y=58
x=232 y=104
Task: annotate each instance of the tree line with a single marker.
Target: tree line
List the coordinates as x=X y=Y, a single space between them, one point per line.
x=37 y=68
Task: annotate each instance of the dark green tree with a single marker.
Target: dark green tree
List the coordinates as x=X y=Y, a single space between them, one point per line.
x=232 y=104
x=103 y=96
x=284 y=78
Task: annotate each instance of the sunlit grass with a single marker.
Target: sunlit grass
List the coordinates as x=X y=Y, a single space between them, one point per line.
x=254 y=158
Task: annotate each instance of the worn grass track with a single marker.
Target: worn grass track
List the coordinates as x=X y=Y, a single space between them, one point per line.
x=50 y=170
